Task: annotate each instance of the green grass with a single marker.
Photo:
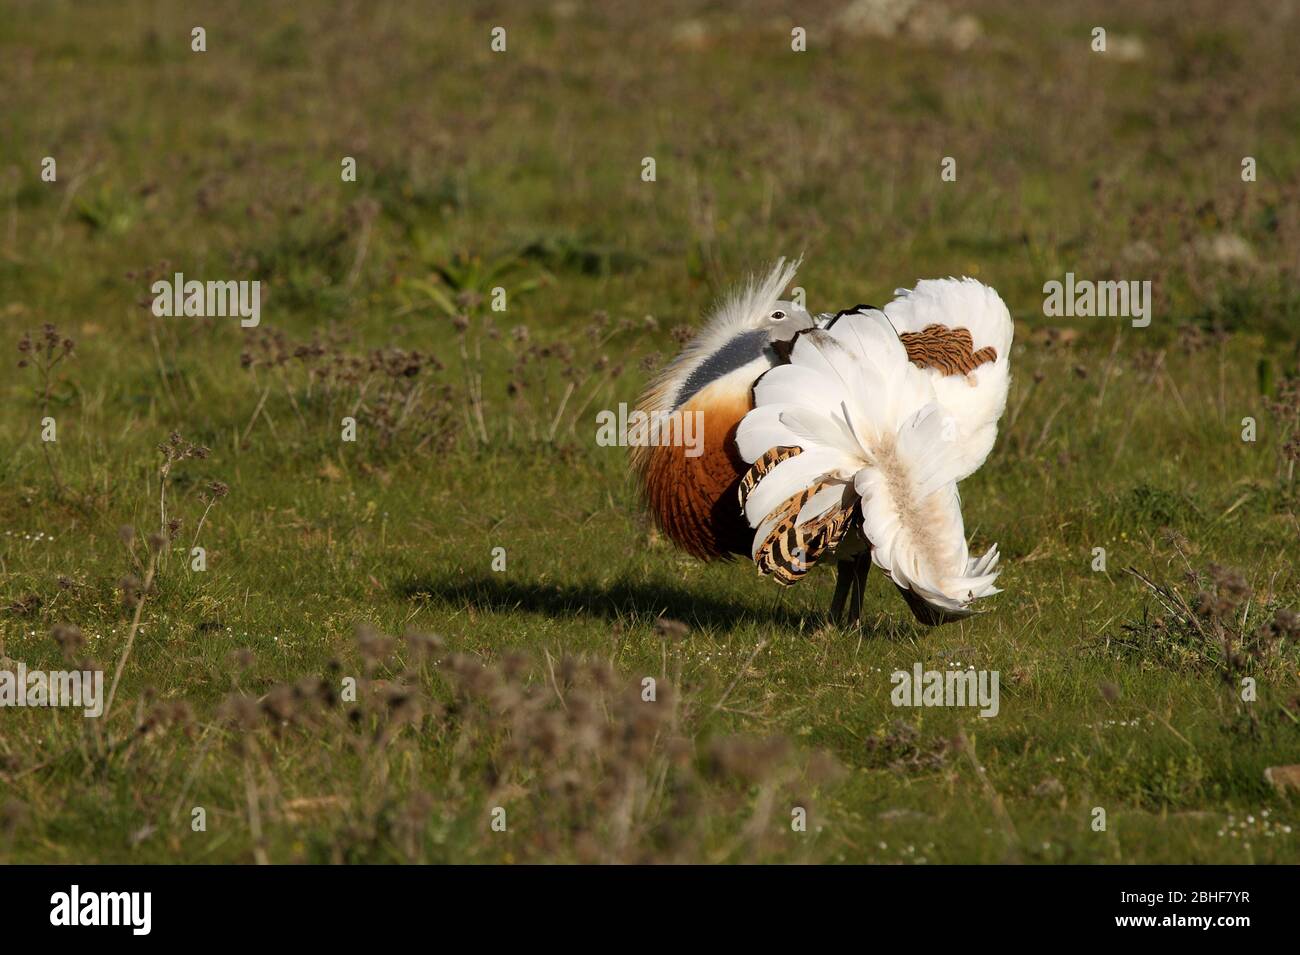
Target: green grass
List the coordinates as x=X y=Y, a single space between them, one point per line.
x=522 y=170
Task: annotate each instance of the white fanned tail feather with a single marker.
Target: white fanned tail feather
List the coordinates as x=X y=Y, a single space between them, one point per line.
x=975 y=401
x=864 y=415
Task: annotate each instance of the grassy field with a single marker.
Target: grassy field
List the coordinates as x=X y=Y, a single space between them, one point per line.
x=512 y=679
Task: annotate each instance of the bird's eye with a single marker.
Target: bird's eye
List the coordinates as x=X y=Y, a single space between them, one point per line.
x=778 y=315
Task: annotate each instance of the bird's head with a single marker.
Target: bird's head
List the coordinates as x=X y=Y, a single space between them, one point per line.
x=738 y=342
x=740 y=338
x=783 y=321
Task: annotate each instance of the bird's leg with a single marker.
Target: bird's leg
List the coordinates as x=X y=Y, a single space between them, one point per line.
x=860 y=567
x=843 y=582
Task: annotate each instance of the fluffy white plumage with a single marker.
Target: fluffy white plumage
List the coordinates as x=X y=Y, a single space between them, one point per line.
x=900 y=436
x=977 y=400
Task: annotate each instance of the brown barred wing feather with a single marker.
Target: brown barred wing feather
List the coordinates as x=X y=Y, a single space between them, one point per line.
x=949 y=350
x=760 y=468
x=788 y=550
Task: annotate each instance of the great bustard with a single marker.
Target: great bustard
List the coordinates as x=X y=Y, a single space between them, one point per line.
x=842 y=433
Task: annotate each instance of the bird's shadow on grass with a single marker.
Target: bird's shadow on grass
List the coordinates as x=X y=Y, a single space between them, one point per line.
x=621 y=599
